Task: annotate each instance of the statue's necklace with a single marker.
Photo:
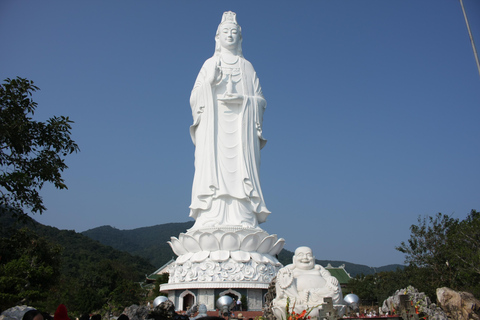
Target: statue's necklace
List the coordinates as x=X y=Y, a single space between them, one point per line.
x=231 y=63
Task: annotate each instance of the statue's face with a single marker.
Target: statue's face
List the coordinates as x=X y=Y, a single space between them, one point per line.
x=304 y=259
x=229 y=35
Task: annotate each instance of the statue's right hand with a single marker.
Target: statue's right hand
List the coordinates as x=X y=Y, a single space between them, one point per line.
x=214 y=74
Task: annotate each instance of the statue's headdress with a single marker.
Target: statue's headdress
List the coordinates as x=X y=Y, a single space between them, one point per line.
x=229 y=16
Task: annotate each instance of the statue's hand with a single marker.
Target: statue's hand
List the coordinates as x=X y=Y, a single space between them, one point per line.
x=304 y=296
x=284 y=277
x=214 y=75
x=232 y=97
x=332 y=283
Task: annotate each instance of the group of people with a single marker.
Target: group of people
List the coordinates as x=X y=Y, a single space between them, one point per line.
x=34 y=314
x=62 y=314
x=238 y=305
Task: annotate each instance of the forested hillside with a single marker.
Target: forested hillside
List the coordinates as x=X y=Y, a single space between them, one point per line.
x=151 y=244
x=76 y=270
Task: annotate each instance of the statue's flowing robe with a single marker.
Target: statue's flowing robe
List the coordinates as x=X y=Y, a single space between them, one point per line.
x=204 y=131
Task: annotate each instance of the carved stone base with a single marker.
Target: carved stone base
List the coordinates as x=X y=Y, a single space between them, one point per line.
x=216 y=261
x=227 y=271
x=239 y=255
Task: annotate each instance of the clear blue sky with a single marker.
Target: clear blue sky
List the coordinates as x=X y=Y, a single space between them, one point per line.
x=372 y=118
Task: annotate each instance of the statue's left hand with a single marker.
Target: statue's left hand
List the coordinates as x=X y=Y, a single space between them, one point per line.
x=232 y=98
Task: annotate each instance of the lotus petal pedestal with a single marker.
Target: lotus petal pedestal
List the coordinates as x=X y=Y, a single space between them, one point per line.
x=218 y=261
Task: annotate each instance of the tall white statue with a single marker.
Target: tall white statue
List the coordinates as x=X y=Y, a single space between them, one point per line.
x=226 y=249
x=306 y=284
x=227 y=106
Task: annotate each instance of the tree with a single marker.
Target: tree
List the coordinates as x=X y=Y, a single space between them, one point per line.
x=464 y=240
x=429 y=249
x=31 y=152
x=427 y=243
x=364 y=287
x=29 y=267
x=99 y=284
x=375 y=288
x=444 y=252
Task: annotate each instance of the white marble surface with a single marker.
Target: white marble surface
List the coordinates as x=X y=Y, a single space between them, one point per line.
x=305 y=284
x=226 y=243
x=226 y=248
x=227 y=107
x=219 y=245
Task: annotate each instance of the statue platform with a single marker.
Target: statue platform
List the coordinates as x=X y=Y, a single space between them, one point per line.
x=217 y=261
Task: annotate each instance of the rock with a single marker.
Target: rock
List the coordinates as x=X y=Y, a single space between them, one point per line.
x=15 y=313
x=458 y=305
x=202 y=312
x=164 y=311
x=413 y=299
x=190 y=312
x=271 y=294
x=135 y=312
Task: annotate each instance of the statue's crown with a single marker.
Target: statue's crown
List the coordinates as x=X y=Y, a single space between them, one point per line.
x=229 y=16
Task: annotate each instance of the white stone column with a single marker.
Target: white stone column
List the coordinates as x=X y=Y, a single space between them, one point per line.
x=206 y=297
x=254 y=299
x=171 y=297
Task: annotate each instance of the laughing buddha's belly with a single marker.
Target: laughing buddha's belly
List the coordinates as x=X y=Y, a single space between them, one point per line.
x=309 y=281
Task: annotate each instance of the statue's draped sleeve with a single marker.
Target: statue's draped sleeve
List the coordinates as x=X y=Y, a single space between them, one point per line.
x=261 y=104
x=254 y=107
x=199 y=98
x=202 y=134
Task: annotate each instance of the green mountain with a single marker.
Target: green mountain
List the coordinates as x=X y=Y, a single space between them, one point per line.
x=89 y=274
x=78 y=248
x=150 y=243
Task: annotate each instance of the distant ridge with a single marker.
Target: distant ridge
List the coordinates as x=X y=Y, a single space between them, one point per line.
x=150 y=243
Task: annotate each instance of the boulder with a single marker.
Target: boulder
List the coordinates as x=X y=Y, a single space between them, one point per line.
x=271 y=294
x=164 y=311
x=413 y=300
x=458 y=305
x=135 y=312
